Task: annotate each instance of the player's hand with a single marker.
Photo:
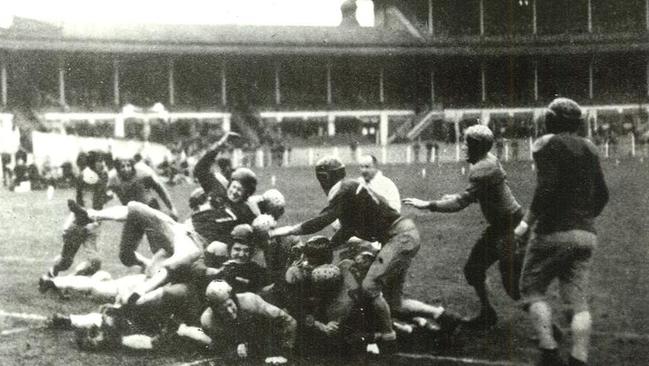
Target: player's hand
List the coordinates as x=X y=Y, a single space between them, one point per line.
x=276 y=360
x=521 y=230
x=331 y=328
x=415 y=202
x=242 y=350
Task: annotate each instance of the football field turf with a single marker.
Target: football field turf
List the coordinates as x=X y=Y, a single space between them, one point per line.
x=30 y=226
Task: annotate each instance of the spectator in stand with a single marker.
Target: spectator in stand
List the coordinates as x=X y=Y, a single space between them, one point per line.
x=429 y=150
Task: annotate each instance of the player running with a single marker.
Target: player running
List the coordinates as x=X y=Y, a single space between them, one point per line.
x=487 y=186
x=570 y=193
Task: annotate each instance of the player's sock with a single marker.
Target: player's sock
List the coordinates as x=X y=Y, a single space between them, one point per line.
x=80 y=213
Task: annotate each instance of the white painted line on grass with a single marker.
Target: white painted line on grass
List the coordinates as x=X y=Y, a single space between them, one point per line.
x=204 y=361
x=14 y=331
x=15 y=258
x=24 y=316
x=464 y=360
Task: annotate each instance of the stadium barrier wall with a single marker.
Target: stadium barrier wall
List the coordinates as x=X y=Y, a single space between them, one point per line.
x=510 y=150
x=60 y=148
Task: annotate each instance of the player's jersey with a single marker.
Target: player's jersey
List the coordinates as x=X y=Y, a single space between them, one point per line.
x=217 y=222
x=137 y=189
x=359 y=214
x=571 y=190
x=488 y=186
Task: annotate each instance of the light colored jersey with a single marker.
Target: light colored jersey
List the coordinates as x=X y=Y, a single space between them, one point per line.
x=488 y=186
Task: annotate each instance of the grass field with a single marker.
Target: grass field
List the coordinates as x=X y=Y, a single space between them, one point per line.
x=30 y=229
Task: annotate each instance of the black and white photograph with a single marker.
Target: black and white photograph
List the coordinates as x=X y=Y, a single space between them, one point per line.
x=324 y=182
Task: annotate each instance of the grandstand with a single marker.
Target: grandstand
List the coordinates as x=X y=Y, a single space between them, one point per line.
x=425 y=71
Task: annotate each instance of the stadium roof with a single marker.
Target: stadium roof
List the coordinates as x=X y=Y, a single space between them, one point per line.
x=28 y=34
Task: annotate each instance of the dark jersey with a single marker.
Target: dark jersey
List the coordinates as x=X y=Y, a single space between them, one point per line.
x=136 y=189
x=246 y=277
x=217 y=222
x=360 y=214
x=571 y=190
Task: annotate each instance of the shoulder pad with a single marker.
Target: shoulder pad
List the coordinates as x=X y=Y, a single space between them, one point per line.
x=485 y=168
x=541 y=142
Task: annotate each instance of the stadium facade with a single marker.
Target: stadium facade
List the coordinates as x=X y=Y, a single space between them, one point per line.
x=426 y=70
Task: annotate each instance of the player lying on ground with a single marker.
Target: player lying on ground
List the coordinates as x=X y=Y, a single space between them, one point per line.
x=100 y=285
x=247 y=322
x=366 y=216
x=487 y=186
x=570 y=193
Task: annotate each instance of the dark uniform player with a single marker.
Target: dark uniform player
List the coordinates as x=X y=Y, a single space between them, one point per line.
x=90 y=188
x=131 y=182
x=488 y=187
x=570 y=193
x=368 y=217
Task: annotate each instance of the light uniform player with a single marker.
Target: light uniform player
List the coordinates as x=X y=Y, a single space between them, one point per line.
x=370 y=218
x=100 y=286
x=570 y=193
x=249 y=323
x=488 y=187
x=377 y=183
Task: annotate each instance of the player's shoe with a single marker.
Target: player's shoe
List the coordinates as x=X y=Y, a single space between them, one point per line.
x=45 y=284
x=486 y=320
x=575 y=362
x=550 y=357
x=59 y=321
x=449 y=323
x=81 y=217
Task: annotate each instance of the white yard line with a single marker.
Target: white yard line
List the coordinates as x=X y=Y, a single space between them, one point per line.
x=24 y=316
x=14 y=331
x=461 y=360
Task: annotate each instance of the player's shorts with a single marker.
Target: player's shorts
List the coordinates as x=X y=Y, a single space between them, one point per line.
x=497 y=244
x=162 y=233
x=566 y=255
x=387 y=273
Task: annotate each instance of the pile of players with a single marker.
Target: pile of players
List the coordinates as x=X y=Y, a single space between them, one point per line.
x=230 y=280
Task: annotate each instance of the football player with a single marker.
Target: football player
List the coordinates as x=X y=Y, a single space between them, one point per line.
x=487 y=186
x=371 y=218
x=570 y=193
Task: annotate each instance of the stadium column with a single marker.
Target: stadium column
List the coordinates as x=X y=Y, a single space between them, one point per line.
x=116 y=83
x=329 y=90
x=646 y=16
x=172 y=86
x=278 y=94
x=224 y=84
x=534 y=29
x=383 y=128
x=591 y=92
x=431 y=28
x=536 y=80
x=3 y=80
x=381 y=87
x=61 y=64
x=432 y=87
x=483 y=82
x=331 y=124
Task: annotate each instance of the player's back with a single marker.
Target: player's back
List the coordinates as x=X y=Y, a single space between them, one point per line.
x=493 y=193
